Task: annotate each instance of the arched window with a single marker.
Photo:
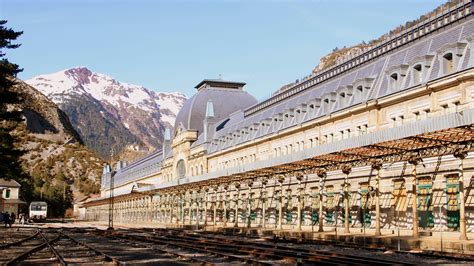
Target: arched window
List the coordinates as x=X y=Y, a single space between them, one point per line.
x=202 y=169
x=181 y=169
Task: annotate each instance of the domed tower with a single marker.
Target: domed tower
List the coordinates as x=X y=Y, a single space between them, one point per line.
x=214 y=101
x=227 y=97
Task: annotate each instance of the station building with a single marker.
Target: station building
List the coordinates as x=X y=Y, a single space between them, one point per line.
x=9 y=196
x=381 y=140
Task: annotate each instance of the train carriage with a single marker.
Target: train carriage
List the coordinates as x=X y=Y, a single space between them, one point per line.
x=38 y=211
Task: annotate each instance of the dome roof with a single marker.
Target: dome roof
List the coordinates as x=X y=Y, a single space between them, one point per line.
x=227 y=98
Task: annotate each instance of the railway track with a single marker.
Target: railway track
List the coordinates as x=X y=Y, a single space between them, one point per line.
x=50 y=247
x=245 y=251
x=175 y=247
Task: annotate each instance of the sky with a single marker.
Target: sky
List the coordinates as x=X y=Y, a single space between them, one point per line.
x=173 y=45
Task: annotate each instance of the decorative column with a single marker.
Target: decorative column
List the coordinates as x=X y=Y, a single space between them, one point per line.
x=414 y=161
x=299 y=177
x=461 y=155
x=226 y=187
x=281 y=179
x=322 y=176
x=377 y=165
x=346 y=170
x=263 y=198
x=249 y=205
x=236 y=215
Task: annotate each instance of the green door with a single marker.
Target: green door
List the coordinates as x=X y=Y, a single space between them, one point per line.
x=288 y=216
x=314 y=217
x=365 y=217
x=425 y=213
x=452 y=198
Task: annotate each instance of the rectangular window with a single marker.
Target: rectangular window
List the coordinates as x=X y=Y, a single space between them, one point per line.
x=452 y=201
x=452 y=190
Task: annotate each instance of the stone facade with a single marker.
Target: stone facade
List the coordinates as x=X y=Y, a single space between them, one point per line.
x=384 y=138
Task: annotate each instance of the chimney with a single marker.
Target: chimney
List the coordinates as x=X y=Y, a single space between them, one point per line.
x=120 y=165
x=166 y=142
x=209 y=123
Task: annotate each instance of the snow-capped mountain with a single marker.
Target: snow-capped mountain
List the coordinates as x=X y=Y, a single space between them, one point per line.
x=109 y=114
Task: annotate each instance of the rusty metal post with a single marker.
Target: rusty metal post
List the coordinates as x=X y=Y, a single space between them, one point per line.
x=177 y=202
x=322 y=175
x=182 y=197
x=236 y=215
x=190 y=206
x=300 y=203
x=461 y=155
x=300 y=209
x=205 y=205
x=198 y=211
x=249 y=205
x=414 y=162
x=377 y=166
x=150 y=209
x=214 y=209
x=346 y=170
x=280 y=211
x=263 y=197
x=168 y=209
x=226 y=187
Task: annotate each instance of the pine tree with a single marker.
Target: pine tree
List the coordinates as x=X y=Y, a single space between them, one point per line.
x=10 y=165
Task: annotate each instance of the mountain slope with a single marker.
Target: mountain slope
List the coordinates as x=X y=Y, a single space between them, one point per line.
x=53 y=151
x=109 y=115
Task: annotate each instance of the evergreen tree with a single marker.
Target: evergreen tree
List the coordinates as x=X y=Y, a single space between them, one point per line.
x=10 y=165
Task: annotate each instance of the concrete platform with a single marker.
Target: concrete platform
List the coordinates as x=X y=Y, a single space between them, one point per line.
x=442 y=242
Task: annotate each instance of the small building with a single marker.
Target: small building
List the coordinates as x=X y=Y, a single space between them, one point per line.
x=10 y=190
x=79 y=208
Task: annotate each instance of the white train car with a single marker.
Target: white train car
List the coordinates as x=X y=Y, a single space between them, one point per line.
x=38 y=211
